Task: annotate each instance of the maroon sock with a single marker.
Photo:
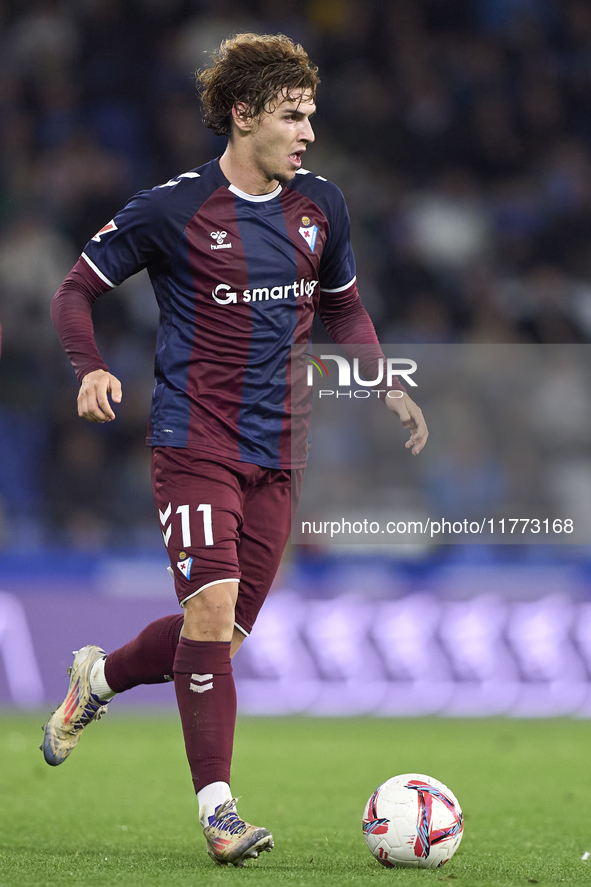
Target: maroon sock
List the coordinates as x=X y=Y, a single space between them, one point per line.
x=206 y=697
x=148 y=659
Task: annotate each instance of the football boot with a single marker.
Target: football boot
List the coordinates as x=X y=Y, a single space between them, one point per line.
x=231 y=840
x=64 y=728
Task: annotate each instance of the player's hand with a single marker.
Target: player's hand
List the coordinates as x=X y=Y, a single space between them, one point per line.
x=93 y=397
x=411 y=417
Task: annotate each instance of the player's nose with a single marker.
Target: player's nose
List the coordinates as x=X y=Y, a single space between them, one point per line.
x=307 y=133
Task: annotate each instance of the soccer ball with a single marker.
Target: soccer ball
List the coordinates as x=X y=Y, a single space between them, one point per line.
x=413 y=821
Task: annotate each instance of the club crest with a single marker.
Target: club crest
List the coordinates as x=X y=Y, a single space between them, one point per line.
x=309 y=232
x=185 y=567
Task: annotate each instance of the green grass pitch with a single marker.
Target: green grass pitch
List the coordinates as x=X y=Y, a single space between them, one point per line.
x=121 y=809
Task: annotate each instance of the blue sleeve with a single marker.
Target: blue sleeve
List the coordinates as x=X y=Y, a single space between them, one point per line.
x=142 y=233
x=337 y=265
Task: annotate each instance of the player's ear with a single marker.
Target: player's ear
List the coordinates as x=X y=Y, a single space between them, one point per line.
x=242 y=117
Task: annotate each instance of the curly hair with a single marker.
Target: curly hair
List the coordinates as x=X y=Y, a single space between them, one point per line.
x=252 y=69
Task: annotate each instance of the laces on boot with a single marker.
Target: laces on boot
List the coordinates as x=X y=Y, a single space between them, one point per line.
x=227 y=818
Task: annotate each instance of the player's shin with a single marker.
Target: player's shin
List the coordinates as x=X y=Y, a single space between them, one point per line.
x=206 y=697
x=148 y=658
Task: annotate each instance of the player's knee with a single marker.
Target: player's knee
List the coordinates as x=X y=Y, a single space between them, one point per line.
x=211 y=612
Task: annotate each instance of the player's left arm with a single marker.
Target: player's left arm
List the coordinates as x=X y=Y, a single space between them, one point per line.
x=350 y=326
x=347 y=321
x=411 y=417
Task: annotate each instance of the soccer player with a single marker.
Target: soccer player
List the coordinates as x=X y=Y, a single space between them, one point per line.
x=241 y=253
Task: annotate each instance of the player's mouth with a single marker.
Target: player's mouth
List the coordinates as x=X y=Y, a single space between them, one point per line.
x=296 y=158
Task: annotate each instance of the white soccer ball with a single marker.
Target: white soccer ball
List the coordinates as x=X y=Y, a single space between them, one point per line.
x=413 y=821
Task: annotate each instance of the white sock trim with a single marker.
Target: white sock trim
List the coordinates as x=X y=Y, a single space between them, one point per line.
x=98 y=682
x=210 y=798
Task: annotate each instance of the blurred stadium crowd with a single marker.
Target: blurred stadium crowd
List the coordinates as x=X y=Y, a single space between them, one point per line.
x=459 y=131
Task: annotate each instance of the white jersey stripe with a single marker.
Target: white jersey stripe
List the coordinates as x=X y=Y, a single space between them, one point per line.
x=339 y=289
x=306 y=172
x=98 y=271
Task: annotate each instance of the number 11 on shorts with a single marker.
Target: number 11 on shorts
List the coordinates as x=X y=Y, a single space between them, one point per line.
x=207 y=526
x=205 y=509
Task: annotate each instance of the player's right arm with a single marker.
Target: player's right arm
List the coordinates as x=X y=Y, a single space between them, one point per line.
x=124 y=246
x=93 y=397
x=71 y=313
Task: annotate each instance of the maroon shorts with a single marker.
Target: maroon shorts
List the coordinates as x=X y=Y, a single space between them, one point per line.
x=223 y=520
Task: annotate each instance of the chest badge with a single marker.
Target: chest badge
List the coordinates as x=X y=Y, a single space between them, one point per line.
x=309 y=232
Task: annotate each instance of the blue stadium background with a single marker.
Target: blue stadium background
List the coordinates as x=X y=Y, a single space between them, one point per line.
x=460 y=133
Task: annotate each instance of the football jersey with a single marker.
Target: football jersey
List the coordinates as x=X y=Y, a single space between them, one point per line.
x=238 y=279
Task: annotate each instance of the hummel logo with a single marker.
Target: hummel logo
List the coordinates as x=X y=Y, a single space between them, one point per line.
x=203 y=682
x=219 y=237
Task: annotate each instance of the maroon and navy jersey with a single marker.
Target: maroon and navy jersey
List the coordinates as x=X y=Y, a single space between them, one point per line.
x=238 y=279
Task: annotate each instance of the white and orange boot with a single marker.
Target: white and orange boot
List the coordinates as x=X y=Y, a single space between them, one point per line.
x=79 y=708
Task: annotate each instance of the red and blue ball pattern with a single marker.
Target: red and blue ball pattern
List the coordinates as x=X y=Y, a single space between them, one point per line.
x=413 y=821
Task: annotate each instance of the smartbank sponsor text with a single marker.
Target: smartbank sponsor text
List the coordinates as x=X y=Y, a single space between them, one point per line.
x=223 y=294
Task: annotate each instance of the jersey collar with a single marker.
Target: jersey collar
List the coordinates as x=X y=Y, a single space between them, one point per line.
x=255 y=198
